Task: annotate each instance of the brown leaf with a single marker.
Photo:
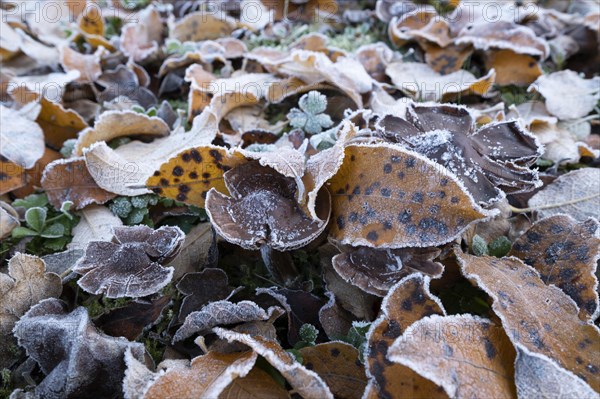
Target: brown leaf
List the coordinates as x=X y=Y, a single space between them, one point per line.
x=75 y=357
x=199 y=289
x=130 y=320
x=512 y=68
x=407 y=302
x=12 y=176
x=539 y=319
x=258 y=384
x=305 y=382
x=337 y=363
x=69 y=180
x=196 y=251
x=263 y=210
x=566 y=255
x=140 y=38
x=142 y=249
x=375 y=271
x=212 y=27
x=26 y=284
x=220 y=313
x=466 y=355
x=366 y=206
x=96 y=223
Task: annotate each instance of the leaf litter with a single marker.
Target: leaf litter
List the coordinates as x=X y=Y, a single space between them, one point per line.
x=317 y=199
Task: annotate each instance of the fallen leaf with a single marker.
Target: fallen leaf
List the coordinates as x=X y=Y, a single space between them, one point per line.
x=96 y=223
x=513 y=68
x=130 y=320
x=375 y=271
x=539 y=319
x=367 y=212
x=26 y=284
x=566 y=255
x=223 y=313
x=9 y=219
x=466 y=355
x=69 y=180
x=257 y=384
x=22 y=138
x=12 y=177
x=75 y=357
x=337 y=363
x=142 y=249
x=305 y=382
x=196 y=251
x=576 y=193
x=200 y=25
x=567 y=95
x=407 y=302
x=201 y=288
x=140 y=38
x=261 y=210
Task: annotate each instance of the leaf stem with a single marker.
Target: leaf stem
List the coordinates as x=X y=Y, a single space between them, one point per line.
x=550 y=206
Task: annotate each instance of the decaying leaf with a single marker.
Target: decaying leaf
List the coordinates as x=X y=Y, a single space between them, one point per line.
x=22 y=138
x=257 y=384
x=422 y=83
x=306 y=382
x=26 y=284
x=384 y=206
x=75 y=357
x=538 y=318
x=567 y=95
x=69 y=180
x=576 y=193
x=12 y=176
x=337 y=363
x=142 y=250
x=262 y=210
x=202 y=288
x=466 y=355
x=489 y=161
x=130 y=320
x=566 y=255
x=408 y=301
x=196 y=251
x=376 y=270
x=96 y=224
x=220 y=313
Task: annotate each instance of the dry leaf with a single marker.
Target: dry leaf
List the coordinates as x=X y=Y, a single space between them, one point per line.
x=566 y=255
x=142 y=249
x=568 y=96
x=26 y=284
x=22 y=138
x=69 y=180
x=408 y=301
x=200 y=25
x=201 y=288
x=73 y=354
x=422 y=83
x=9 y=219
x=96 y=224
x=466 y=355
x=223 y=313
x=262 y=210
x=196 y=251
x=375 y=271
x=539 y=319
x=337 y=363
x=257 y=384
x=366 y=210
x=513 y=68
x=140 y=39
x=576 y=193
x=12 y=176
x=305 y=382
x=130 y=320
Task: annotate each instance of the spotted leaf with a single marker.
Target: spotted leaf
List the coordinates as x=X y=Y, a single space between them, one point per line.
x=386 y=196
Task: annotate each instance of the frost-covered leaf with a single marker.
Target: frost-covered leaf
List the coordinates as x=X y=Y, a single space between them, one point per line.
x=566 y=255
x=74 y=355
x=189 y=176
x=568 y=95
x=380 y=198
x=538 y=318
x=576 y=193
x=305 y=382
x=26 y=284
x=96 y=223
x=140 y=38
x=9 y=220
x=310 y=116
x=422 y=83
x=22 y=138
x=69 y=180
x=338 y=364
x=489 y=161
x=262 y=210
x=513 y=68
x=466 y=355
x=142 y=250
x=220 y=313
x=376 y=270
x=408 y=301
x=199 y=289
